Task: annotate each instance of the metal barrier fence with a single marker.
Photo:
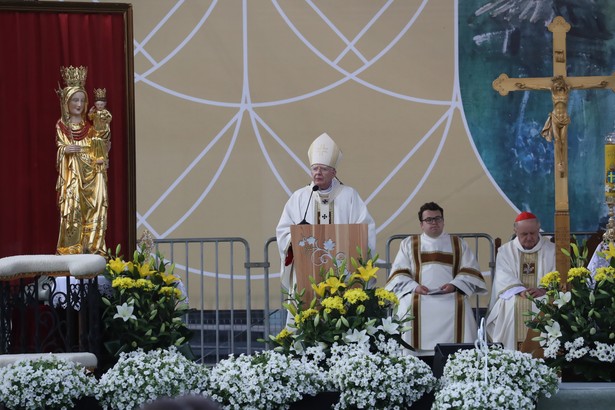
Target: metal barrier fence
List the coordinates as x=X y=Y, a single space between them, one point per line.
x=223 y=315
x=221 y=324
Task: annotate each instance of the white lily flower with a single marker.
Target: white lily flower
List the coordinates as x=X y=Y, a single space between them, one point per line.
x=543 y=339
x=553 y=331
x=389 y=326
x=371 y=330
x=298 y=347
x=355 y=336
x=124 y=312
x=563 y=298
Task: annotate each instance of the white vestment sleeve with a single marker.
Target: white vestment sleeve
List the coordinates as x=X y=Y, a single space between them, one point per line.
x=509 y=293
x=506 y=272
x=469 y=278
x=401 y=282
x=291 y=215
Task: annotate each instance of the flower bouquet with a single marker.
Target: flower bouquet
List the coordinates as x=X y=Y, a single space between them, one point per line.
x=141 y=377
x=146 y=306
x=48 y=382
x=368 y=380
x=267 y=380
x=484 y=379
x=347 y=307
x=477 y=395
x=577 y=326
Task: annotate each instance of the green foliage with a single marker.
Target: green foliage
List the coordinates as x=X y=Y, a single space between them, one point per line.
x=347 y=307
x=578 y=257
x=577 y=327
x=146 y=307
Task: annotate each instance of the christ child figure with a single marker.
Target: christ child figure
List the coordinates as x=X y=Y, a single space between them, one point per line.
x=101 y=118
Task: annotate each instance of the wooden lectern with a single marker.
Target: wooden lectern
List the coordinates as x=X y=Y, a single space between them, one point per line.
x=316 y=247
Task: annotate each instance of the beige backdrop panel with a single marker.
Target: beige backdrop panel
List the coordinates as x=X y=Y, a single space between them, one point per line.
x=230 y=94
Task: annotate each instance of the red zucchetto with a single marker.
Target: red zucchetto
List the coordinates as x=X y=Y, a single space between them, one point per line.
x=524 y=216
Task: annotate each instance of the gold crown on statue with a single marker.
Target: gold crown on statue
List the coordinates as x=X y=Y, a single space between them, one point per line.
x=100 y=94
x=74 y=76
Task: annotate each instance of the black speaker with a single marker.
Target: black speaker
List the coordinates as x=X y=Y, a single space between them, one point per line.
x=443 y=350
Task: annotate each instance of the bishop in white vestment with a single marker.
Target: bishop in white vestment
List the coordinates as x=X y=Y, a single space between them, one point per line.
x=519 y=267
x=330 y=203
x=433 y=275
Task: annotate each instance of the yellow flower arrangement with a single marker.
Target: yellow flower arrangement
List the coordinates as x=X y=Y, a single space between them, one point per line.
x=333 y=302
x=354 y=296
x=284 y=333
x=604 y=273
x=145 y=307
x=576 y=325
x=578 y=273
x=347 y=306
x=386 y=297
x=550 y=280
x=305 y=315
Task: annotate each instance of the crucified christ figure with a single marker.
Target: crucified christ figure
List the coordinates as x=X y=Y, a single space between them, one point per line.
x=556 y=126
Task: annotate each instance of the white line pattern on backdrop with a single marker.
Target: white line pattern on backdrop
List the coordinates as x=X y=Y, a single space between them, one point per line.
x=246 y=105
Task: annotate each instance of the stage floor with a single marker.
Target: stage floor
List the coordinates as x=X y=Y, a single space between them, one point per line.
x=595 y=396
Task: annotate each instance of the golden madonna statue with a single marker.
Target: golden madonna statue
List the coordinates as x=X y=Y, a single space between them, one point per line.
x=82 y=161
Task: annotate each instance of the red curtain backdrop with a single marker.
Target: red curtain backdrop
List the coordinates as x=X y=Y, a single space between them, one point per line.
x=34 y=45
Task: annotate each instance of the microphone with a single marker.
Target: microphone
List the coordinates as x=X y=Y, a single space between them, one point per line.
x=314 y=189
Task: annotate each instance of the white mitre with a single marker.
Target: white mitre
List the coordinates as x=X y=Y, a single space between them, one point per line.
x=324 y=151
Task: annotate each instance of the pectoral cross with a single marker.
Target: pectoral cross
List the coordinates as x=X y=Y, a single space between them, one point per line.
x=556 y=127
x=529 y=268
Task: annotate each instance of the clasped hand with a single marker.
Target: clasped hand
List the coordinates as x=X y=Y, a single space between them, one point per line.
x=533 y=292
x=72 y=149
x=424 y=290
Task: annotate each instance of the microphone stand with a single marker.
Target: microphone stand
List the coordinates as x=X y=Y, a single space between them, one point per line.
x=303 y=221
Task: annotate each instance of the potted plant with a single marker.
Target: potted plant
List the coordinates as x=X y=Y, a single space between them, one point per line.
x=140 y=377
x=350 y=330
x=47 y=382
x=577 y=326
x=494 y=378
x=267 y=380
x=145 y=307
x=347 y=307
x=377 y=380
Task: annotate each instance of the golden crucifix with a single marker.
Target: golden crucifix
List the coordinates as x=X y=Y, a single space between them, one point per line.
x=556 y=127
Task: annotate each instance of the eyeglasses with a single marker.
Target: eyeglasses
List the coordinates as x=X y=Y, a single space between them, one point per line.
x=322 y=168
x=434 y=220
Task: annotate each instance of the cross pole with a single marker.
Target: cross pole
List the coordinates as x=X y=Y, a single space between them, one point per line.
x=556 y=127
